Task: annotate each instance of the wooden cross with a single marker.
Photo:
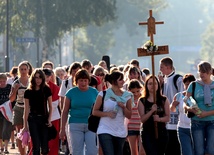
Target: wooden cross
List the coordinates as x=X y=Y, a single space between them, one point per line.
x=144 y=52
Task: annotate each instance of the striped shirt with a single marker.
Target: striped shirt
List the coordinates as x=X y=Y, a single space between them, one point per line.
x=134 y=122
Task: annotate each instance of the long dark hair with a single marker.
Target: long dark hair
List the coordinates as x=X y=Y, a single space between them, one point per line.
x=32 y=84
x=159 y=95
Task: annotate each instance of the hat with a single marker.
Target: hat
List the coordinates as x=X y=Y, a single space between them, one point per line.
x=47 y=71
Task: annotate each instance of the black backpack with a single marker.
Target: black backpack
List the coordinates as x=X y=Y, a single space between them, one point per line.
x=191 y=114
x=175 y=78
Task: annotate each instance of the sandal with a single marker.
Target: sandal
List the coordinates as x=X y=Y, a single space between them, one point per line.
x=13 y=146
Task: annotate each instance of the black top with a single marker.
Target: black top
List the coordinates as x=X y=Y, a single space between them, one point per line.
x=38 y=100
x=4 y=94
x=148 y=126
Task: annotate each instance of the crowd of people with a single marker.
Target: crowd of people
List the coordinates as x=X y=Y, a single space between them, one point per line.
x=142 y=114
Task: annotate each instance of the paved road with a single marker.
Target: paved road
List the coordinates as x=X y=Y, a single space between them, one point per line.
x=12 y=151
x=16 y=152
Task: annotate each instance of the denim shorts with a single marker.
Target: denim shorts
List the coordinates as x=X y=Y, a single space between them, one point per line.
x=203 y=136
x=133 y=133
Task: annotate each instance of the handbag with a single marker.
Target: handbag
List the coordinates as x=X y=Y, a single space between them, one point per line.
x=93 y=121
x=52 y=132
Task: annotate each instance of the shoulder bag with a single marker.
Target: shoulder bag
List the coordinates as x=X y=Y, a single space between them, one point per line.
x=93 y=121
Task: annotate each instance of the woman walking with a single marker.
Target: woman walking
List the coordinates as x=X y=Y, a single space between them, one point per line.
x=17 y=94
x=202 y=124
x=112 y=131
x=77 y=106
x=38 y=111
x=152 y=113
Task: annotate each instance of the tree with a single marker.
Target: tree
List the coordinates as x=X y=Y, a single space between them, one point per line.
x=48 y=20
x=208 y=36
x=207 y=52
x=98 y=41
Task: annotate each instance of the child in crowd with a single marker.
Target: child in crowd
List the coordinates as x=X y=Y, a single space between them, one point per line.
x=134 y=122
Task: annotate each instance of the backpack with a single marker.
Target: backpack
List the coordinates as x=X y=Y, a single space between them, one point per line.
x=190 y=114
x=175 y=78
x=193 y=89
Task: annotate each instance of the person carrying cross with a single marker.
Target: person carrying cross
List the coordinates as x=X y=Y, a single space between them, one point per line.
x=153 y=145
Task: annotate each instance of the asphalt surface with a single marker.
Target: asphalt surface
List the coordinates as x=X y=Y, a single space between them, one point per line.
x=16 y=152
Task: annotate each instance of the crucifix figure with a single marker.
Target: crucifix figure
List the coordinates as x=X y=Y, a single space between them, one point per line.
x=151 y=23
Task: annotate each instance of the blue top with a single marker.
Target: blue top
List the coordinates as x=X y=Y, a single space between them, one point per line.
x=199 y=98
x=81 y=103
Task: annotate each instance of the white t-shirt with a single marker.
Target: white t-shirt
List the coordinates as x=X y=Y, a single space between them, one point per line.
x=184 y=121
x=116 y=126
x=169 y=90
x=63 y=88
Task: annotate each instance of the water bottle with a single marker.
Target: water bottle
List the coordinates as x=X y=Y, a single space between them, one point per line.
x=190 y=102
x=116 y=108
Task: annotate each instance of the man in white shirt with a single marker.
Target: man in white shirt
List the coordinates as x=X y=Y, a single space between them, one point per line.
x=171 y=86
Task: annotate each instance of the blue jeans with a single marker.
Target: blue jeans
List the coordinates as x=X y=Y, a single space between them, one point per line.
x=111 y=145
x=185 y=140
x=203 y=136
x=39 y=134
x=82 y=139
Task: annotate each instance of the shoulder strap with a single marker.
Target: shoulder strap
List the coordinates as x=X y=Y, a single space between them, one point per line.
x=143 y=99
x=193 y=90
x=15 y=78
x=66 y=83
x=58 y=81
x=104 y=94
x=175 y=78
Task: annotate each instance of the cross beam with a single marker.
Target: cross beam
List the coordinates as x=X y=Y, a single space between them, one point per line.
x=151 y=23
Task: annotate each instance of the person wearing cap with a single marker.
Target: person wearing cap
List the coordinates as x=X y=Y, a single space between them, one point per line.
x=54 y=143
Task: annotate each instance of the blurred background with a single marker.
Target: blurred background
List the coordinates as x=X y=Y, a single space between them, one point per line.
x=64 y=31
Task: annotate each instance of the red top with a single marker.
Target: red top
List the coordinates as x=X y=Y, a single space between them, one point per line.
x=54 y=90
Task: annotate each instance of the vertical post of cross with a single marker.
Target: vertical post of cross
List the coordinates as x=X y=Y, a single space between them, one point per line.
x=151 y=30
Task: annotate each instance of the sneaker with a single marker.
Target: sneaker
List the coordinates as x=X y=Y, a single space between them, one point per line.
x=6 y=152
x=13 y=146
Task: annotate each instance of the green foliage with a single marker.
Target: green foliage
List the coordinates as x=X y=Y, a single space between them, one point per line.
x=99 y=21
x=49 y=19
x=207 y=52
x=208 y=36
x=101 y=40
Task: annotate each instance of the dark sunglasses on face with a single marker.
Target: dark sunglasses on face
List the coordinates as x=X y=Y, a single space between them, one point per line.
x=101 y=74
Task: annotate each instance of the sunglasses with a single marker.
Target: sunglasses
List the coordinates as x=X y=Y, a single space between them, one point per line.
x=101 y=74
